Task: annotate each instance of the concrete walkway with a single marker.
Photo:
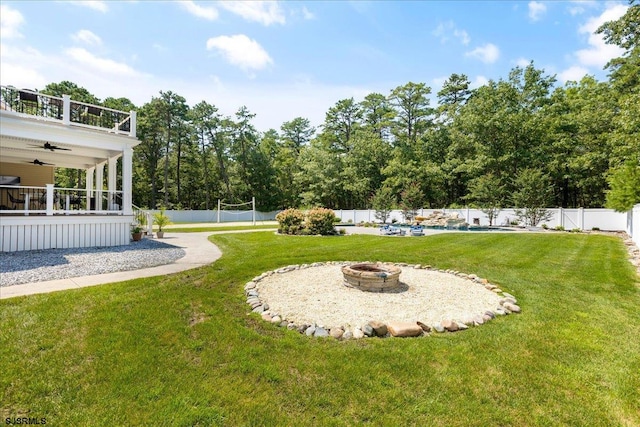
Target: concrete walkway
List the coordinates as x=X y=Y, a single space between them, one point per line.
x=199 y=251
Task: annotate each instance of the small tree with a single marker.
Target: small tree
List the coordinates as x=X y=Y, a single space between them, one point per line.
x=383 y=201
x=624 y=184
x=531 y=197
x=410 y=201
x=488 y=193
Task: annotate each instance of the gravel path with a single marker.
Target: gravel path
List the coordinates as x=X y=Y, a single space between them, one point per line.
x=316 y=295
x=51 y=264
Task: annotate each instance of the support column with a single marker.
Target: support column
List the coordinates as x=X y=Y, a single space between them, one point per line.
x=89 y=186
x=112 y=168
x=50 y=199
x=99 y=185
x=127 y=179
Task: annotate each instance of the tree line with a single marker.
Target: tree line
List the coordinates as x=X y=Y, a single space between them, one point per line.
x=519 y=137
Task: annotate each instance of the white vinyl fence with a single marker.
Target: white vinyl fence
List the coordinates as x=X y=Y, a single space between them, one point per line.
x=584 y=219
x=212 y=215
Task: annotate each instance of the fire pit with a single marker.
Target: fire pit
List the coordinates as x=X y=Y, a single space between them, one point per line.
x=372 y=277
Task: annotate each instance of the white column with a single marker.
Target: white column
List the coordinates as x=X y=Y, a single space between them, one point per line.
x=127 y=178
x=132 y=124
x=99 y=184
x=49 y=199
x=112 y=182
x=89 y=185
x=66 y=109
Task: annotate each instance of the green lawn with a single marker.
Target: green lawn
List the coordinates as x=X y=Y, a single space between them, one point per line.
x=182 y=350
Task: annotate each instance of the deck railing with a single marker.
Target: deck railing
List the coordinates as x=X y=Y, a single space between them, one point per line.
x=50 y=200
x=67 y=111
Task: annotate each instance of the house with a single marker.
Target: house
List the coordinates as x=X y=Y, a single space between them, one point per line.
x=39 y=133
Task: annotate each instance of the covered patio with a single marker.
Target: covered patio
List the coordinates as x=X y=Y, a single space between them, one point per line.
x=40 y=133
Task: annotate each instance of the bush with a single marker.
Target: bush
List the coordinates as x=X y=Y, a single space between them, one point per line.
x=316 y=221
x=559 y=228
x=545 y=226
x=290 y=221
x=320 y=221
x=595 y=228
x=576 y=230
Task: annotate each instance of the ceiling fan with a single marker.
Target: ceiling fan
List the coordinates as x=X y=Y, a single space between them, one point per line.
x=51 y=147
x=40 y=163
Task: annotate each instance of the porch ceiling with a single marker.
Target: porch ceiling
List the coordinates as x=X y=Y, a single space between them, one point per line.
x=20 y=150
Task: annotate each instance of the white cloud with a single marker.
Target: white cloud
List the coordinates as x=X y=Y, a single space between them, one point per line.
x=103 y=65
x=100 y=6
x=574 y=73
x=447 y=29
x=489 y=53
x=522 y=62
x=306 y=14
x=536 y=10
x=208 y=13
x=578 y=7
x=264 y=12
x=599 y=53
x=241 y=51
x=86 y=37
x=479 y=81
x=10 y=21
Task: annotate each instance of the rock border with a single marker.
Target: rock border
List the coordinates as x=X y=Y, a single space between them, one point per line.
x=508 y=304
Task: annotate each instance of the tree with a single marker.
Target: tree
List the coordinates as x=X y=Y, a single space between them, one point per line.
x=382 y=202
x=624 y=185
x=340 y=123
x=410 y=201
x=533 y=192
x=413 y=114
x=377 y=115
x=489 y=194
x=297 y=133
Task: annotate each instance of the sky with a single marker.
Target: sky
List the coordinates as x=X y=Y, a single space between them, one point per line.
x=291 y=59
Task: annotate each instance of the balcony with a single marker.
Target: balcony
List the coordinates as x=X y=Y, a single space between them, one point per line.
x=65 y=111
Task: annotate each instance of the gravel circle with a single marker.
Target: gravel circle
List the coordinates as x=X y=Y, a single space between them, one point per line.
x=51 y=264
x=317 y=295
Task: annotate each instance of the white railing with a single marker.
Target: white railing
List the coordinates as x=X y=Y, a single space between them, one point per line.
x=67 y=111
x=50 y=200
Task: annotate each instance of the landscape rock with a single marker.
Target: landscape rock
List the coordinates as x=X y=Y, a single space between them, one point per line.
x=336 y=333
x=424 y=327
x=450 y=325
x=368 y=330
x=379 y=328
x=404 y=329
x=357 y=333
x=321 y=333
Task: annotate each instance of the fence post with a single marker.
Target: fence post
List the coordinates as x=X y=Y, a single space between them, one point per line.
x=581 y=218
x=561 y=217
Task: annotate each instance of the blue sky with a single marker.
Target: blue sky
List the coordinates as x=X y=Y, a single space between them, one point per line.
x=295 y=58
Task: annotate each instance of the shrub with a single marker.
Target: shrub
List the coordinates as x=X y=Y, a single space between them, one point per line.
x=545 y=226
x=320 y=221
x=559 y=228
x=290 y=221
x=576 y=230
x=595 y=228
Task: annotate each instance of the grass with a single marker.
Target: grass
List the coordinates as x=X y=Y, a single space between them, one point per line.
x=182 y=349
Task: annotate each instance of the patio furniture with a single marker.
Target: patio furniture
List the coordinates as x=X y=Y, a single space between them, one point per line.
x=15 y=201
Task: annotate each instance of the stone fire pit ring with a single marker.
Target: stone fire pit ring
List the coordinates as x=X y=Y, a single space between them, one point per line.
x=372 y=277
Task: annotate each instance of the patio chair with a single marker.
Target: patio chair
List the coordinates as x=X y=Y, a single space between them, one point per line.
x=15 y=201
x=416 y=230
